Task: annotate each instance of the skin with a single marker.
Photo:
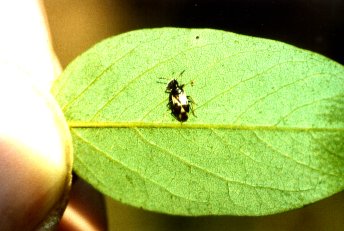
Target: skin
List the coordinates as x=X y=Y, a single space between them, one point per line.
x=35 y=143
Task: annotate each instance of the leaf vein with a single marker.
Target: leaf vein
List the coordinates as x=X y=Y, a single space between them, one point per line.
x=104 y=154
x=201 y=169
x=269 y=145
x=272 y=93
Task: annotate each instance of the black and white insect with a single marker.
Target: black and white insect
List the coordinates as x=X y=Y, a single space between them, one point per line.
x=178 y=102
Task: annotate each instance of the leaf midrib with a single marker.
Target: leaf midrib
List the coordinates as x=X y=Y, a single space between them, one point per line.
x=140 y=124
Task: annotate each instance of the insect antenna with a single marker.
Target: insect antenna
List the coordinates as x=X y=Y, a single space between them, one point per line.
x=166 y=80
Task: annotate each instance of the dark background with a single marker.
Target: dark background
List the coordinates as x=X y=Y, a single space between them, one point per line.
x=316 y=25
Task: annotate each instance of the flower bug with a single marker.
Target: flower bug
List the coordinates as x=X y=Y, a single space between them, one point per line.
x=178 y=102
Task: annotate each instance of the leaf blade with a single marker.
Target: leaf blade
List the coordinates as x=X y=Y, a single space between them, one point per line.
x=264 y=109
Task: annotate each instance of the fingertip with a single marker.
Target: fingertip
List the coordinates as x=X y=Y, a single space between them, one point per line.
x=35 y=154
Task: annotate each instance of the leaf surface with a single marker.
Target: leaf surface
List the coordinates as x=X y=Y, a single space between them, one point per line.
x=267 y=135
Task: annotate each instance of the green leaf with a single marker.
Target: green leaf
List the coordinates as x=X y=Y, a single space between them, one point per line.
x=267 y=135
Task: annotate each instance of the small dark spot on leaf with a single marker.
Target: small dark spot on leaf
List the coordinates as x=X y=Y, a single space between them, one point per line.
x=197 y=37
